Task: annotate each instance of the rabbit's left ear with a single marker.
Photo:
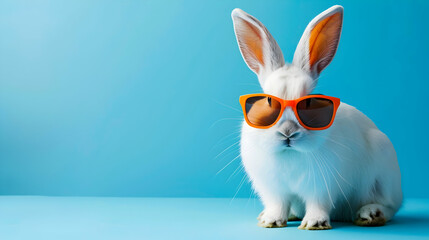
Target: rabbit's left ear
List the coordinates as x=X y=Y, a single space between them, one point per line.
x=319 y=43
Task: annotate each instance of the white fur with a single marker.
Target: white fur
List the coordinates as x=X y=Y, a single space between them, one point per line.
x=333 y=174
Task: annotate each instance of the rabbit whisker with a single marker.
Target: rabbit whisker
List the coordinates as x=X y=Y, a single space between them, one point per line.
x=232 y=145
x=238 y=169
x=228 y=164
x=227 y=106
x=339 y=185
x=239 y=187
x=324 y=179
x=224 y=119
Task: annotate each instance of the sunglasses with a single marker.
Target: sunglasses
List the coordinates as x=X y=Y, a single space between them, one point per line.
x=314 y=112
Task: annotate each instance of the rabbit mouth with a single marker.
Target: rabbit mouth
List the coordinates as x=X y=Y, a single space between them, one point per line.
x=287 y=142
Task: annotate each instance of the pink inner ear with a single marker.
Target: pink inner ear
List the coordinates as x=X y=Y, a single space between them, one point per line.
x=324 y=39
x=252 y=45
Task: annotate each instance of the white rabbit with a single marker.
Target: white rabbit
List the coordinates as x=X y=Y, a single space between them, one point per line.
x=348 y=172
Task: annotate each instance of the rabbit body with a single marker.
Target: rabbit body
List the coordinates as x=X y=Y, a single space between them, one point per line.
x=353 y=165
x=348 y=172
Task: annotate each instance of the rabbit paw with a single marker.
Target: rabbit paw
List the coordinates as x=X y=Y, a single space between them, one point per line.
x=271 y=219
x=315 y=223
x=370 y=215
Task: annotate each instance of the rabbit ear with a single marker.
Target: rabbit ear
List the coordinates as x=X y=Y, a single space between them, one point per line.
x=260 y=51
x=318 y=44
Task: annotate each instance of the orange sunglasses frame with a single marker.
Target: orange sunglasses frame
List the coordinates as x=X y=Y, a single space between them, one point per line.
x=289 y=103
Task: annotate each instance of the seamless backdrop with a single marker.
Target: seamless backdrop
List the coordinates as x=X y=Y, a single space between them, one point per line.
x=140 y=98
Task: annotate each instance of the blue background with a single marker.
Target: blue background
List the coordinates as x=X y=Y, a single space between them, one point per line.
x=140 y=98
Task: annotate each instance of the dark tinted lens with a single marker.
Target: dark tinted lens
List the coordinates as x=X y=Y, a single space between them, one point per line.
x=315 y=112
x=262 y=111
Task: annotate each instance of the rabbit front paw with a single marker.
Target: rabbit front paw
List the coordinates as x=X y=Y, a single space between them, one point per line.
x=315 y=223
x=272 y=219
x=370 y=215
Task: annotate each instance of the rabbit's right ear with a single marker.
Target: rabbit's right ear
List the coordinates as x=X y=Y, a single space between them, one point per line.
x=259 y=49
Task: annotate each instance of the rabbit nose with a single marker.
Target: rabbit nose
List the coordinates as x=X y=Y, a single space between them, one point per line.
x=289 y=129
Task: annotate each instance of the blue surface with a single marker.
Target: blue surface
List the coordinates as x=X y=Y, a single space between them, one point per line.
x=180 y=218
x=134 y=98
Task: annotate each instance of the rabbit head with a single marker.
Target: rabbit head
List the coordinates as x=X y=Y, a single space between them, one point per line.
x=263 y=56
